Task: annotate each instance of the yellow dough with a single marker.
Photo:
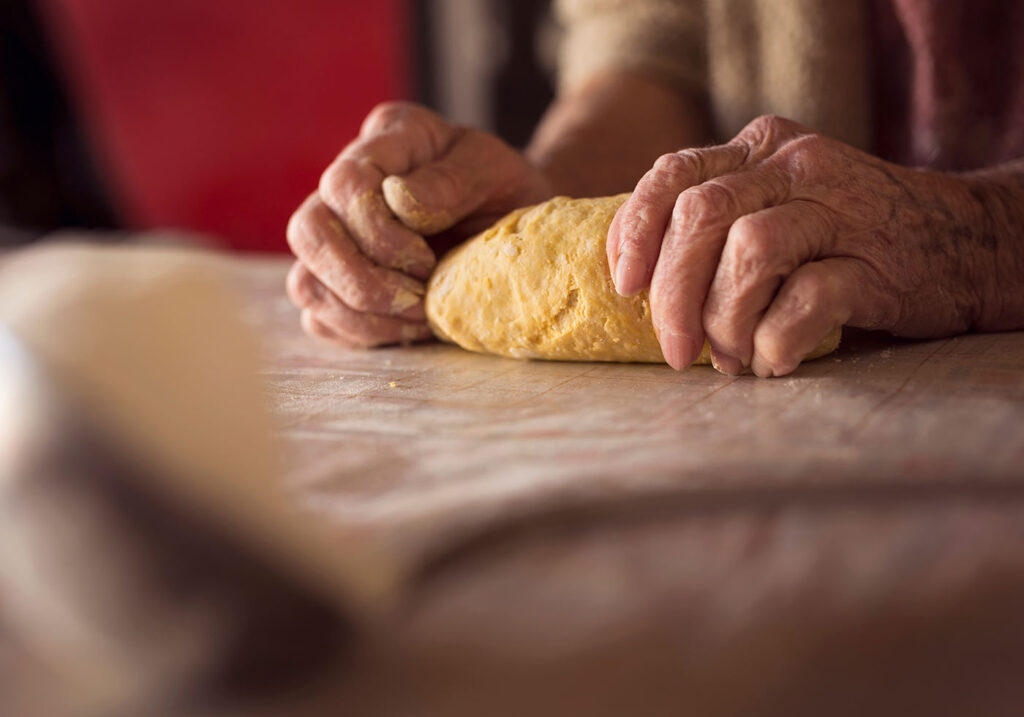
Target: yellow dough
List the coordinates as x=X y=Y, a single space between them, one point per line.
x=536 y=285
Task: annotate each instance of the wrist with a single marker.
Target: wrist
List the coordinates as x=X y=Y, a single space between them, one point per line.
x=997 y=220
x=560 y=167
x=602 y=137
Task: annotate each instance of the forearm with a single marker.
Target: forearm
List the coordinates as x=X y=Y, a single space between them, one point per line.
x=603 y=137
x=999 y=192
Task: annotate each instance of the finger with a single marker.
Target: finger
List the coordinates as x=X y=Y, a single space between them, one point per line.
x=816 y=299
x=640 y=224
x=302 y=287
x=357 y=328
x=396 y=137
x=316 y=329
x=395 y=118
x=477 y=170
x=325 y=247
x=761 y=250
x=765 y=135
x=691 y=249
x=367 y=330
x=636 y=231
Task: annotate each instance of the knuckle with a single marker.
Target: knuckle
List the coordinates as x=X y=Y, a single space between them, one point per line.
x=303 y=288
x=709 y=203
x=674 y=163
x=333 y=181
x=802 y=146
x=753 y=244
x=809 y=295
x=765 y=123
x=807 y=143
x=682 y=167
x=313 y=327
x=758 y=131
x=770 y=125
x=768 y=131
x=293 y=285
x=387 y=114
x=411 y=119
x=802 y=154
x=301 y=233
x=347 y=178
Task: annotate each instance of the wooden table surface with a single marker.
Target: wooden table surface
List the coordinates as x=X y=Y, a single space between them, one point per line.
x=390 y=440
x=574 y=538
x=864 y=513
x=863 y=517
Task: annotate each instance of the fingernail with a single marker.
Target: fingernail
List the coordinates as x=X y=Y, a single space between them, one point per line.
x=411 y=210
x=628 y=274
x=417 y=261
x=724 y=363
x=760 y=367
x=679 y=351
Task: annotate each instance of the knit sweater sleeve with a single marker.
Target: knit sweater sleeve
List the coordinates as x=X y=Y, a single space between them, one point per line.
x=665 y=38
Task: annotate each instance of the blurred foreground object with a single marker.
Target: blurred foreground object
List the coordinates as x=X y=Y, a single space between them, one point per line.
x=146 y=553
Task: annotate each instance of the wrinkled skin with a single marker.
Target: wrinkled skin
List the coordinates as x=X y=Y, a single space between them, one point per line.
x=765 y=244
x=360 y=238
x=761 y=245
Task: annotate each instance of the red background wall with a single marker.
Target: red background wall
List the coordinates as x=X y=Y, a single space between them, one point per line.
x=219 y=115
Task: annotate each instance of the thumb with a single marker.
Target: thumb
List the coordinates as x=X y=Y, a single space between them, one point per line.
x=478 y=173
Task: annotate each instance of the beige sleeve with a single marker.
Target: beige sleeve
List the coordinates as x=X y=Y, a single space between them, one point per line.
x=659 y=37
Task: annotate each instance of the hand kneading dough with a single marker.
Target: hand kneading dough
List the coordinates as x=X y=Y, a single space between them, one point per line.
x=536 y=285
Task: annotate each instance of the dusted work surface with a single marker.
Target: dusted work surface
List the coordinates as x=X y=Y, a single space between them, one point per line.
x=597 y=539
x=410 y=432
x=760 y=546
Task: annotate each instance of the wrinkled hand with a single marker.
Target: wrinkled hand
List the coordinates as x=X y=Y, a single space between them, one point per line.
x=361 y=238
x=765 y=244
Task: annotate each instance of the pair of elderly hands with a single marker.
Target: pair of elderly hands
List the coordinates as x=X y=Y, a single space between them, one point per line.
x=762 y=245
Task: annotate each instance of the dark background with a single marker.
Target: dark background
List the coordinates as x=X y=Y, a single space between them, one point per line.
x=479 y=62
